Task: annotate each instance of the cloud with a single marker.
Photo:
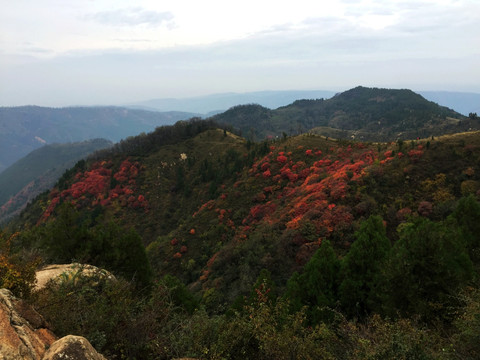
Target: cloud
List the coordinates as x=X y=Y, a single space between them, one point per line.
x=133 y=40
x=37 y=50
x=426 y=47
x=117 y=77
x=132 y=17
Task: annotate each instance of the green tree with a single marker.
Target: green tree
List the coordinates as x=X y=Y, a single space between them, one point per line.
x=64 y=238
x=69 y=238
x=466 y=339
x=317 y=286
x=179 y=294
x=180 y=181
x=467 y=216
x=361 y=268
x=425 y=269
x=121 y=251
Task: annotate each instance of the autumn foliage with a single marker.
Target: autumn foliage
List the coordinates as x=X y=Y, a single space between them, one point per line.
x=335 y=224
x=302 y=187
x=101 y=185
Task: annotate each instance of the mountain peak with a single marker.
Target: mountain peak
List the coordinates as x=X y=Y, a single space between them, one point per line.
x=358 y=112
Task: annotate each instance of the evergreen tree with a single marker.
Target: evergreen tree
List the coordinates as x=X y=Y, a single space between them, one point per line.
x=467 y=216
x=320 y=276
x=425 y=269
x=317 y=286
x=68 y=238
x=65 y=238
x=122 y=252
x=295 y=292
x=361 y=268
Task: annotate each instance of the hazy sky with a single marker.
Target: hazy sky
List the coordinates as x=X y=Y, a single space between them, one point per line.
x=84 y=52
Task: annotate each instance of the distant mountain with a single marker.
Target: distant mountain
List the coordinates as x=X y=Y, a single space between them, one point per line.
x=38 y=171
x=368 y=114
x=220 y=102
x=462 y=102
x=25 y=128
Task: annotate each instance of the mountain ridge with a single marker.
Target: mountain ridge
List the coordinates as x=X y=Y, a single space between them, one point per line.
x=223 y=101
x=401 y=114
x=92 y=122
x=23 y=129
x=462 y=102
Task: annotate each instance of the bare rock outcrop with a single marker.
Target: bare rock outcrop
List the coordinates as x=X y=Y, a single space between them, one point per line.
x=72 y=347
x=24 y=335
x=68 y=271
x=23 y=332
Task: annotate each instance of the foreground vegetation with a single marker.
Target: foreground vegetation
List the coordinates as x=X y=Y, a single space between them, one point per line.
x=302 y=247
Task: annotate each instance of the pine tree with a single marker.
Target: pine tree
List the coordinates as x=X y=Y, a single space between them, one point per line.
x=467 y=216
x=317 y=286
x=426 y=267
x=361 y=268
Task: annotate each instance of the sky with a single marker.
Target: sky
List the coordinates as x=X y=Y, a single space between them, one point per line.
x=114 y=52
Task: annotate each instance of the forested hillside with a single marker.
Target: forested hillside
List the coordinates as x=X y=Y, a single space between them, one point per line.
x=365 y=114
x=297 y=247
x=38 y=171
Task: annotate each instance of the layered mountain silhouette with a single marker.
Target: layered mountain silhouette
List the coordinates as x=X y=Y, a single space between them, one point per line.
x=310 y=237
x=366 y=114
x=25 y=128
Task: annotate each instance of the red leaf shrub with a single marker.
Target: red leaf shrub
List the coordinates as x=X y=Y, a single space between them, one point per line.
x=282 y=159
x=425 y=208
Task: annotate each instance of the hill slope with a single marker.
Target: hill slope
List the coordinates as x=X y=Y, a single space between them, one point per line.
x=207 y=198
x=38 y=171
x=366 y=114
x=25 y=128
x=304 y=239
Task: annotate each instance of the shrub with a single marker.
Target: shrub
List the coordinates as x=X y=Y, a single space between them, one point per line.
x=15 y=274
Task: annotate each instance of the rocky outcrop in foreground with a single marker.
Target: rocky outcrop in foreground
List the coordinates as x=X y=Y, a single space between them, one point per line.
x=25 y=335
x=72 y=347
x=59 y=272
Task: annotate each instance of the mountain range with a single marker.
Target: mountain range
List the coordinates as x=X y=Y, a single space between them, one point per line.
x=25 y=128
x=212 y=104
x=208 y=105
x=296 y=246
x=366 y=114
